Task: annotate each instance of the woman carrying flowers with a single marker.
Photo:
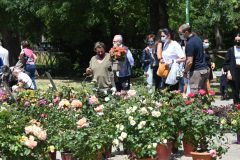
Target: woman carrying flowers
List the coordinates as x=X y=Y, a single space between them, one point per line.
x=100 y=67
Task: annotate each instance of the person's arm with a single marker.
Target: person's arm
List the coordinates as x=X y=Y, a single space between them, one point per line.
x=159 y=52
x=89 y=69
x=189 y=58
x=130 y=58
x=34 y=57
x=180 y=53
x=226 y=63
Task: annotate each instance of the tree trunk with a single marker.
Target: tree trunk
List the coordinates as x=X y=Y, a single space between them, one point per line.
x=218 y=37
x=12 y=44
x=158 y=15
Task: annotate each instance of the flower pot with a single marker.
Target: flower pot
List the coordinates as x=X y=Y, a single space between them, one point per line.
x=116 y=65
x=164 y=151
x=188 y=148
x=67 y=156
x=201 y=156
x=238 y=138
x=52 y=155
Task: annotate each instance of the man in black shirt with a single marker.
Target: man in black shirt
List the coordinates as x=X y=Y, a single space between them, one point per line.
x=195 y=63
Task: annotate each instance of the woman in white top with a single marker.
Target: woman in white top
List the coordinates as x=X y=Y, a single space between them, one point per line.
x=171 y=52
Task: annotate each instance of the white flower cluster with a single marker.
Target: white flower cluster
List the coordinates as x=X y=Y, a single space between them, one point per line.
x=120 y=127
x=122 y=136
x=153 y=145
x=143 y=111
x=131 y=121
x=156 y=113
x=131 y=110
x=141 y=124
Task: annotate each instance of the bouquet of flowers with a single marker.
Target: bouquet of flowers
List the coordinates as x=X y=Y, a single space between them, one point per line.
x=118 y=53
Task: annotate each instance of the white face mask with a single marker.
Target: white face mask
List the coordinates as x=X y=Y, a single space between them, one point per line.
x=205 y=45
x=164 y=39
x=182 y=37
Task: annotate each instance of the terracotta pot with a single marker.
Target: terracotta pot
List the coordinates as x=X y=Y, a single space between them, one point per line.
x=238 y=138
x=201 y=156
x=164 y=151
x=67 y=156
x=188 y=148
x=52 y=155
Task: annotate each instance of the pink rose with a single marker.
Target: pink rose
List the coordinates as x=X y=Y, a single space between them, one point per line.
x=28 y=129
x=209 y=111
x=191 y=95
x=27 y=104
x=213 y=153
x=30 y=143
x=188 y=102
x=211 y=93
x=76 y=103
x=202 y=92
x=131 y=93
x=42 y=135
x=82 y=123
x=93 y=100
x=99 y=108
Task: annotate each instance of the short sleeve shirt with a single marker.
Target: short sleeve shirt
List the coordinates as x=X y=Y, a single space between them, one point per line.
x=194 y=48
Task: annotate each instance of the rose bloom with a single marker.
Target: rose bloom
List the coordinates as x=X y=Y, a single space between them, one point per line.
x=202 y=92
x=42 y=135
x=191 y=95
x=30 y=143
x=28 y=129
x=64 y=103
x=27 y=104
x=36 y=130
x=99 y=108
x=93 y=100
x=213 y=153
x=131 y=93
x=238 y=106
x=76 y=103
x=188 y=102
x=211 y=93
x=82 y=123
x=210 y=111
x=56 y=100
x=42 y=102
x=51 y=148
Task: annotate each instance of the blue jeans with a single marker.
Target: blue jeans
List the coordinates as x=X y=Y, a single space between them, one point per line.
x=31 y=68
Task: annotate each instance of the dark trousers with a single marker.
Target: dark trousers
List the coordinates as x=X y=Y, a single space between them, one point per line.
x=157 y=80
x=234 y=84
x=123 y=83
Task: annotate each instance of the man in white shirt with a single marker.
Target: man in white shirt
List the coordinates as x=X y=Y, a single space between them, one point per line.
x=4 y=55
x=24 y=81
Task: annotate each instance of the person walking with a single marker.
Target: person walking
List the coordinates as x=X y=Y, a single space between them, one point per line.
x=124 y=74
x=231 y=65
x=4 y=55
x=195 y=62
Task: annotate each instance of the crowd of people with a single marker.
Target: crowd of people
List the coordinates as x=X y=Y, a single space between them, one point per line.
x=188 y=64
x=22 y=75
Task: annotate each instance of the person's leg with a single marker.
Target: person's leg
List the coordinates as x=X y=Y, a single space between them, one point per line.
x=118 y=84
x=149 y=79
x=204 y=74
x=194 y=81
x=31 y=70
x=235 y=92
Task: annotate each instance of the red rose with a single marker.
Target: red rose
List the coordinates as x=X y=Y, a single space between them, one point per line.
x=211 y=93
x=238 y=106
x=191 y=95
x=188 y=102
x=202 y=92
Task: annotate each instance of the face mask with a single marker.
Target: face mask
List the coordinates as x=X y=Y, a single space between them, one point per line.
x=237 y=43
x=164 y=39
x=182 y=37
x=151 y=43
x=205 y=45
x=116 y=44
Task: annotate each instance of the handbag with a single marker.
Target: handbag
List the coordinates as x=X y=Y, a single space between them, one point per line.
x=163 y=70
x=172 y=76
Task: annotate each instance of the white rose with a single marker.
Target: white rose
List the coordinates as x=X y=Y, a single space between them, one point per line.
x=132 y=122
x=115 y=142
x=164 y=141
x=149 y=146
x=156 y=113
x=130 y=118
x=121 y=128
x=118 y=126
x=158 y=104
x=124 y=135
x=154 y=145
x=120 y=138
x=144 y=101
x=150 y=108
x=141 y=124
x=129 y=111
x=143 y=111
x=134 y=108
x=106 y=99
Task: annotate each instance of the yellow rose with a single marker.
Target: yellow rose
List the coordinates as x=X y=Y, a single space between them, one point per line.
x=234 y=122
x=223 y=121
x=22 y=139
x=51 y=148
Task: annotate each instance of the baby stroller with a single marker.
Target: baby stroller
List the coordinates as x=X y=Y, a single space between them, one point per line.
x=7 y=76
